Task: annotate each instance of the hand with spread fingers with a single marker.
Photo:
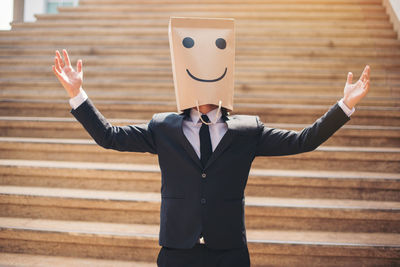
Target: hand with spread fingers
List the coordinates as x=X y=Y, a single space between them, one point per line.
x=70 y=79
x=353 y=93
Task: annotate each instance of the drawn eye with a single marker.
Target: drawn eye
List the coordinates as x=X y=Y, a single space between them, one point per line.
x=188 y=42
x=220 y=43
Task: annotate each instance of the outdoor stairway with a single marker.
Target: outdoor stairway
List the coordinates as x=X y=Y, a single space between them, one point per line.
x=64 y=201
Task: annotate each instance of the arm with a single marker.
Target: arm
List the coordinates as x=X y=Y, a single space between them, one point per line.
x=135 y=138
x=274 y=142
x=138 y=138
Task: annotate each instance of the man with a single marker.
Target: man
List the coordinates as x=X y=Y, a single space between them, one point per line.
x=204 y=154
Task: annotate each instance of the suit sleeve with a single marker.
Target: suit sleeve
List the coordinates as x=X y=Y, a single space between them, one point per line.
x=275 y=142
x=135 y=138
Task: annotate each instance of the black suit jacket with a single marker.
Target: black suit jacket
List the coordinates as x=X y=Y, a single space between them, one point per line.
x=211 y=199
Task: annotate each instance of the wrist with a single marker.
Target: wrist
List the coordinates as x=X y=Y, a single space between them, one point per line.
x=345 y=108
x=348 y=103
x=76 y=101
x=75 y=92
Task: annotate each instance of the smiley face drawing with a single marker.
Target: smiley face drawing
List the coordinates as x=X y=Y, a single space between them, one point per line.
x=203 y=61
x=188 y=42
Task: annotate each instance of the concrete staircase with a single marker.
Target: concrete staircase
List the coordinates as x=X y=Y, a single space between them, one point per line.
x=64 y=201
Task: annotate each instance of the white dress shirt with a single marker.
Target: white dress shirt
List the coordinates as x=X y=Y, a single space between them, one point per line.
x=191 y=126
x=217 y=128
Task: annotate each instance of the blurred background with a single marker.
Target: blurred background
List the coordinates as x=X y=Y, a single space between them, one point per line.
x=64 y=201
x=26 y=9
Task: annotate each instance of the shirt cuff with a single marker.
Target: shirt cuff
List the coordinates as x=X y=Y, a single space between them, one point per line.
x=345 y=109
x=76 y=101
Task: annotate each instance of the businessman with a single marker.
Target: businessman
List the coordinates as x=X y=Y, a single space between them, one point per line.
x=204 y=153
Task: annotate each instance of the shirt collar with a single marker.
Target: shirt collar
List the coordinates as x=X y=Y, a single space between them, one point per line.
x=194 y=115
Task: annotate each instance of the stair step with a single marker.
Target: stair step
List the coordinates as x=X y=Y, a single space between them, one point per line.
x=237 y=7
x=146 y=178
x=241 y=42
x=150 y=95
x=243 y=45
x=242 y=74
x=266 y=62
x=139 y=242
x=372 y=159
x=241 y=31
x=79 y=239
x=269 y=113
x=244 y=84
x=256 y=15
x=53 y=127
x=162 y=22
x=164 y=85
x=286 y=52
x=30 y=260
x=286 y=2
x=143 y=208
x=153 y=82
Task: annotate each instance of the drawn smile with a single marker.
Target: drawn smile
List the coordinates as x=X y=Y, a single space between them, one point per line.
x=208 y=81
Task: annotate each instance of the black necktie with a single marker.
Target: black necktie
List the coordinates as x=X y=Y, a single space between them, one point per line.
x=205 y=142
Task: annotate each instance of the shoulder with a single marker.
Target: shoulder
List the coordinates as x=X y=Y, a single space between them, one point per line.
x=243 y=124
x=166 y=117
x=166 y=120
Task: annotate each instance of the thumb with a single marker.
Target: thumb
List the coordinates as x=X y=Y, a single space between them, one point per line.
x=349 y=78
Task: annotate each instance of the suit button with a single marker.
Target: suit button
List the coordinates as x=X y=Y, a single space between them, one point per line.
x=203 y=201
x=203 y=175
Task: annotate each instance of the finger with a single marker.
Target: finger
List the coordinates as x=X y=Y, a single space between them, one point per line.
x=367 y=68
x=55 y=70
x=79 y=66
x=360 y=84
x=366 y=87
x=57 y=64
x=61 y=63
x=368 y=71
x=349 y=78
x=57 y=73
x=365 y=74
x=66 y=58
x=363 y=78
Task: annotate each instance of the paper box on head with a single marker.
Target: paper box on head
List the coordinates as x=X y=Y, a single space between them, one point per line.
x=203 y=61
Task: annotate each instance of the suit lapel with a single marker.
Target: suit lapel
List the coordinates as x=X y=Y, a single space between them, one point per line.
x=225 y=141
x=185 y=143
x=221 y=147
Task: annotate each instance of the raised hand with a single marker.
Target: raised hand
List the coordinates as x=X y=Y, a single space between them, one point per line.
x=70 y=79
x=353 y=93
